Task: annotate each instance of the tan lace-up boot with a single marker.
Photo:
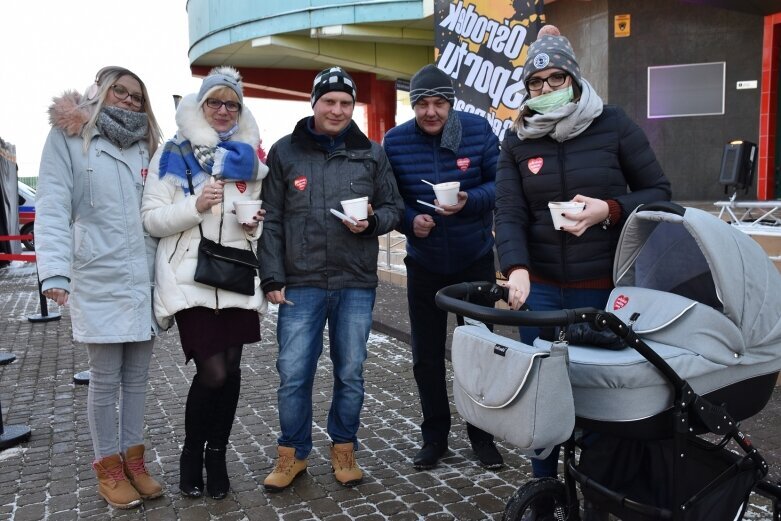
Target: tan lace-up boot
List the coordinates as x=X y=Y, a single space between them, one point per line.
x=346 y=470
x=287 y=469
x=113 y=485
x=135 y=470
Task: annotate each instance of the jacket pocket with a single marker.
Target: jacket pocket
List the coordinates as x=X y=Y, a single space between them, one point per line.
x=82 y=251
x=362 y=179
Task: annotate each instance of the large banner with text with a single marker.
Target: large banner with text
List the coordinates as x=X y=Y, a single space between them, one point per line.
x=482 y=45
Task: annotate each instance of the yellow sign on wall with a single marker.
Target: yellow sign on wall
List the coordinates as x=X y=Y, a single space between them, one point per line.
x=621 y=25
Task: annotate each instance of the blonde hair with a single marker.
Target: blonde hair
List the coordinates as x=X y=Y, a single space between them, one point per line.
x=95 y=97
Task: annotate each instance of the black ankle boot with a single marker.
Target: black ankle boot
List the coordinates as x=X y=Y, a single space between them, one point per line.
x=217 y=483
x=191 y=472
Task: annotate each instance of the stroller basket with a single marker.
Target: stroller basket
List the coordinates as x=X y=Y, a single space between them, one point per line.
x=717 y=482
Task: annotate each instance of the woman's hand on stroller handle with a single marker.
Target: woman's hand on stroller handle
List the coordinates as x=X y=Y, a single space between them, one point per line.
x=519 y=287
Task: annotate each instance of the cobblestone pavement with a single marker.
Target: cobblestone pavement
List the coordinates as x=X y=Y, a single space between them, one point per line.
x=50 y=476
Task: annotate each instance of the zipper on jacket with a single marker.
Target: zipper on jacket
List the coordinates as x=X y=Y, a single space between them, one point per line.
x=563 y=236
x=176 y=247
x=89 y=177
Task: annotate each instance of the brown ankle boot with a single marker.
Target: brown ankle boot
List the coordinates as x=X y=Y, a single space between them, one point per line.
x=135 y=470
x=346 y=470
x=287 y=469
x=113 y=485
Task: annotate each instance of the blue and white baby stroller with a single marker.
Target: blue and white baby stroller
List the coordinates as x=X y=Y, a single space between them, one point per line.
x=697 y=315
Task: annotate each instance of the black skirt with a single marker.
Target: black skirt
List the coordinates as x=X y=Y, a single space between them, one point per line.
x=205 y=332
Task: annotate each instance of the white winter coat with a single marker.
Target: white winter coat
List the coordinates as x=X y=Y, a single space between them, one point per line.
x=170 y=214
x=88 y=229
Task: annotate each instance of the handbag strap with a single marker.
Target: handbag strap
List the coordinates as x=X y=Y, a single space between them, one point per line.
x=192 y=192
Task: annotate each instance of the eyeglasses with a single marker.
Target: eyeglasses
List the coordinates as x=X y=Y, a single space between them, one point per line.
x=230 y=106
x=556 y=79
x=122 y=93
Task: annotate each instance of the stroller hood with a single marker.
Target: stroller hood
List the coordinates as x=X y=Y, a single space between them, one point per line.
x=701 y=257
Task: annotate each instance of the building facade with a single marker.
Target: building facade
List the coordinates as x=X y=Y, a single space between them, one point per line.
x=279 y=45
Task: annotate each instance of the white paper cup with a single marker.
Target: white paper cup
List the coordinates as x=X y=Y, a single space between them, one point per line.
x=557 y=208
x=447 y=193
x=246 y=209
x=357 y=208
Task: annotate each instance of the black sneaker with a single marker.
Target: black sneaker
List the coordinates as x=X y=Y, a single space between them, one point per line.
x=487 y=454
x=428 y=456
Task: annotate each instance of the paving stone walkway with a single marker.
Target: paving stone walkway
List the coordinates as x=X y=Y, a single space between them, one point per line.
x=50 y=476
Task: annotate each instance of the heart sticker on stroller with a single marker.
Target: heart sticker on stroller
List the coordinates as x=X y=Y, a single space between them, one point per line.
x=621 y=301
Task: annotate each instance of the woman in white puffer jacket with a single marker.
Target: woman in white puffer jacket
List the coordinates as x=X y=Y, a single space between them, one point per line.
x=218 y=145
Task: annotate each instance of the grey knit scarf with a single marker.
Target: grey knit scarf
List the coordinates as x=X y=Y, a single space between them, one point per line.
x=122 y=127
x=564 y=123
x=451 y=132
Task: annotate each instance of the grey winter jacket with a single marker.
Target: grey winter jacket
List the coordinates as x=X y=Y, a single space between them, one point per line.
x=302 y=243
x=88 y=234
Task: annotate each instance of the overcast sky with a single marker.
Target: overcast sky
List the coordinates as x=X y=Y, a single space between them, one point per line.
x=49 y=46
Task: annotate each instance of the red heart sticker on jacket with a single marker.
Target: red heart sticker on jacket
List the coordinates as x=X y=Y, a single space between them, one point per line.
x=241 y=186
x=621 y=301
x=535 y=164
x=463 y=163
x=300 y=183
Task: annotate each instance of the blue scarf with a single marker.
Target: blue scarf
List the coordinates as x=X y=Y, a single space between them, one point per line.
x=232 y=160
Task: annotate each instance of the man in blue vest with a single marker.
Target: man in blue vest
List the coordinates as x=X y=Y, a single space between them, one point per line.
x=445 y=246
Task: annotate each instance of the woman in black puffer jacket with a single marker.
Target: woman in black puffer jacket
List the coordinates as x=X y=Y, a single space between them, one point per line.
x=567 y=146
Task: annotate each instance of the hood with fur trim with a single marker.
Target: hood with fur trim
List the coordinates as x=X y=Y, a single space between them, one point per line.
x=192 y=125
x=65 y=113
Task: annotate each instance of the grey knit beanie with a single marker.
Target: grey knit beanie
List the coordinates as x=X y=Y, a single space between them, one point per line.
x=332 y=79
x=551 y=51
x=221 y=77
x=431 y=81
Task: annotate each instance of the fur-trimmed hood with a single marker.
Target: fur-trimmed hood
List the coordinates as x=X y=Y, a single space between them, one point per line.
x=192 y=125
x=65 y=113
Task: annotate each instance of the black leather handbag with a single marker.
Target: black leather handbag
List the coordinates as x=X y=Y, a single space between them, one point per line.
x=224 y=267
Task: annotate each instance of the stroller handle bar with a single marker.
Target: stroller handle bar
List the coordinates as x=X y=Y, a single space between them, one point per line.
x=455 y=299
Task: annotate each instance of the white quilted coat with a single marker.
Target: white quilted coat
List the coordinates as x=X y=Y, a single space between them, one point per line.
x=167 y=212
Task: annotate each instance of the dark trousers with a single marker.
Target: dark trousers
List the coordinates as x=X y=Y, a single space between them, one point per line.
x=429 y=335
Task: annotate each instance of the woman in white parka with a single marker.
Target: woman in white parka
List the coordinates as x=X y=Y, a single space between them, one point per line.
x=217 y=145
x=92 y=254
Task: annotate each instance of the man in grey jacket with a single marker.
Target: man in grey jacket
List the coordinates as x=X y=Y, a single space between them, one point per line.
x=320 y=268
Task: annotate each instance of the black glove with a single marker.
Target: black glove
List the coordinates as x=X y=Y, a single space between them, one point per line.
x=584 y=334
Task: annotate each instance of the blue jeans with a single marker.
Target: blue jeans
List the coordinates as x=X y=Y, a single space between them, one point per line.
x=547 y=297
x=348 y=313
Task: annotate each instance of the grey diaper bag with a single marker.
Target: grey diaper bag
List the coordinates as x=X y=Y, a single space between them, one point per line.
x=519 y=393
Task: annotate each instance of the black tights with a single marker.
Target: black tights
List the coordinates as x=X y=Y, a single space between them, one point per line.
x=214 y=371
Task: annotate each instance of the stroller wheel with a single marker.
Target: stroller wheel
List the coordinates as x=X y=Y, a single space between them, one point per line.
x=542 y=499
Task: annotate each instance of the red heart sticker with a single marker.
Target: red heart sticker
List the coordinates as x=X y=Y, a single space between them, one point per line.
x=241 y=186
x=463 y=163
x=621 y=301
x=300 y=183
x=535 y=164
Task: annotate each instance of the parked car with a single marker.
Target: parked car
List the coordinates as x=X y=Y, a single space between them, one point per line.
x=26 y=213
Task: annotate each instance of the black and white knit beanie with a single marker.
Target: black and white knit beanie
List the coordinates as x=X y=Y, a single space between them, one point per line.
x=332 y=79
x=218 y=78
x=551 y=51
x=431 y=81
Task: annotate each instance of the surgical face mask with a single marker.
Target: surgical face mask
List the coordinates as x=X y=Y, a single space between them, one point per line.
x=550 y=101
